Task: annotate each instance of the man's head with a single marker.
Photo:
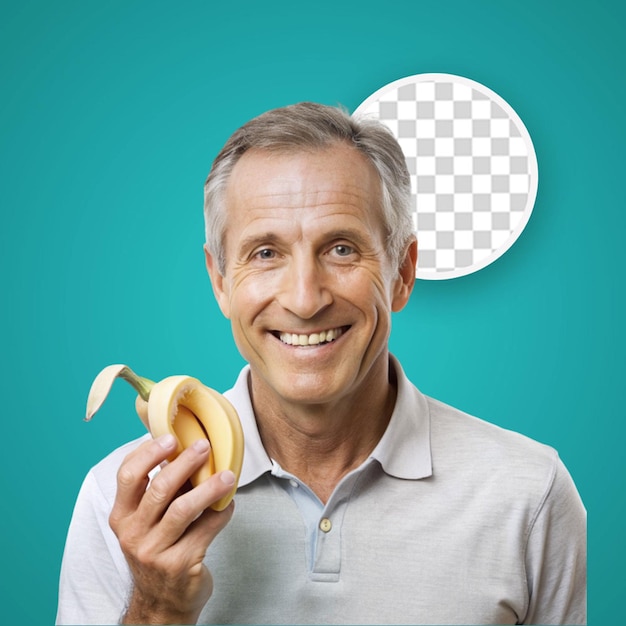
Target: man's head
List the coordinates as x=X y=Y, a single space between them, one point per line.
x=307 y=127
x=310 y=251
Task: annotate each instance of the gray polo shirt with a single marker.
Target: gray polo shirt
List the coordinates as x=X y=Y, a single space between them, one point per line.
x=450 y=521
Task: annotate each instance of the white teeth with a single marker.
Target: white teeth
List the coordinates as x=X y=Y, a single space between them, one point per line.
x=314 y=339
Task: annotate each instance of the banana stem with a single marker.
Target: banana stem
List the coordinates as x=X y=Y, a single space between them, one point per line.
x=143 y=386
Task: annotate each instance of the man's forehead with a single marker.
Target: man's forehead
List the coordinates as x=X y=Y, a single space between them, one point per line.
x=338 y=168
x=317 y=190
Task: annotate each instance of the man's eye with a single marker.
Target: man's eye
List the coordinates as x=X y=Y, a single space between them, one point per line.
x=266 y=253
x=343 y=250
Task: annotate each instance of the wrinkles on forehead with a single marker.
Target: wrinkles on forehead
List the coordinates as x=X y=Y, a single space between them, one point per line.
x=285 y=194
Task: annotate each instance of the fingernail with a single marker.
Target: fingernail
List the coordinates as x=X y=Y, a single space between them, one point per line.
x=201 y=445
x=166 y=441
x=227 y=477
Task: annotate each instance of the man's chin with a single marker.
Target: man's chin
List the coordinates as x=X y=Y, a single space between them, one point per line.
x=305 y=389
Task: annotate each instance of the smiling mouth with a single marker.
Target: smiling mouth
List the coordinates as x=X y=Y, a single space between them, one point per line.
x=313 y=339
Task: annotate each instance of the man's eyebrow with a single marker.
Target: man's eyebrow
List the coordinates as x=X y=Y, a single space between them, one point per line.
x=253 y=241
x=351 y=234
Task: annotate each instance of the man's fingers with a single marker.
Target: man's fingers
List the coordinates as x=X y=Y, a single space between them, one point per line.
x=191 y=509
x=193 y=544
x=132 y=476
x=168 y=483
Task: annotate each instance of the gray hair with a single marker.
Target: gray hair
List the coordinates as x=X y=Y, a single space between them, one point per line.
x=307 y=126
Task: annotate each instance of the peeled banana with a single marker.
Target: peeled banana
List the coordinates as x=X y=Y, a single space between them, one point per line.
x=184 y=407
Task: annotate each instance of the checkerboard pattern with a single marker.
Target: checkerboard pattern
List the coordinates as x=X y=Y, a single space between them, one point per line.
x=472 y=164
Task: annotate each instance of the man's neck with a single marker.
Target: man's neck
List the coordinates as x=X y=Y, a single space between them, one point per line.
x=321 y=443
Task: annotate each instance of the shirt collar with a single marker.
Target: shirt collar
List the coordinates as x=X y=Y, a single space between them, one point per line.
x=403 y=451
x=255 y=459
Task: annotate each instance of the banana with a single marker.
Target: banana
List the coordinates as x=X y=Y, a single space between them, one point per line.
x=184 y=407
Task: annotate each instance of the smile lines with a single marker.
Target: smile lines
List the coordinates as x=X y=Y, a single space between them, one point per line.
x=313 y=339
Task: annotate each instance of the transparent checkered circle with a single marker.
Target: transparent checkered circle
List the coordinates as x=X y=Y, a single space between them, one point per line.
x=473 y=169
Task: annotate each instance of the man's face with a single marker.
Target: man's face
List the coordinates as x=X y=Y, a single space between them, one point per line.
x=308 y=286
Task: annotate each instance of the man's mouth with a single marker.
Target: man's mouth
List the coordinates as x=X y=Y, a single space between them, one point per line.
x=312 y=339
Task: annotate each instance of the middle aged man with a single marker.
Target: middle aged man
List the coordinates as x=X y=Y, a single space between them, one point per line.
x=361 y=500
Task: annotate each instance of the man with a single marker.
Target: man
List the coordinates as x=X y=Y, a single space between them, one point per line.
x=360 y=499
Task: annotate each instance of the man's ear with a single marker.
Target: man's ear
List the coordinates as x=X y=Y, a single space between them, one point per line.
x=405 y=280
x=219 y=284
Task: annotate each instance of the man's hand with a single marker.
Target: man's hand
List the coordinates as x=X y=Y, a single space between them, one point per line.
x=165 y=530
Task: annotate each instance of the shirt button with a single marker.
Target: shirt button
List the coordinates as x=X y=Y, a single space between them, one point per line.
x=325 y=525
x=293 y=483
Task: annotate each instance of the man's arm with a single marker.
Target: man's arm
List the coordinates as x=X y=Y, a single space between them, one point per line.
x=556 y=556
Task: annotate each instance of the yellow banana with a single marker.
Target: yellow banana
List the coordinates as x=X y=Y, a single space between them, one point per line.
x=184 y=407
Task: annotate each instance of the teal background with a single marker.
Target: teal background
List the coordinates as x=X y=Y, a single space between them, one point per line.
x=110 y=116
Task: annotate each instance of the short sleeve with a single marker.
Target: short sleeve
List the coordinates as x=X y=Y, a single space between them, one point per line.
x=94 y=579
x=556 y=556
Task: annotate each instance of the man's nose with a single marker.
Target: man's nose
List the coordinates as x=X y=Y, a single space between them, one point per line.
x=305 y=289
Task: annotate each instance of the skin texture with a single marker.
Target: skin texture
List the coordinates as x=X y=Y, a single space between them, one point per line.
x=305 y=252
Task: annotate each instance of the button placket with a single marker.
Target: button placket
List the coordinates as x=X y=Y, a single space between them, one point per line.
x=327 y=563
